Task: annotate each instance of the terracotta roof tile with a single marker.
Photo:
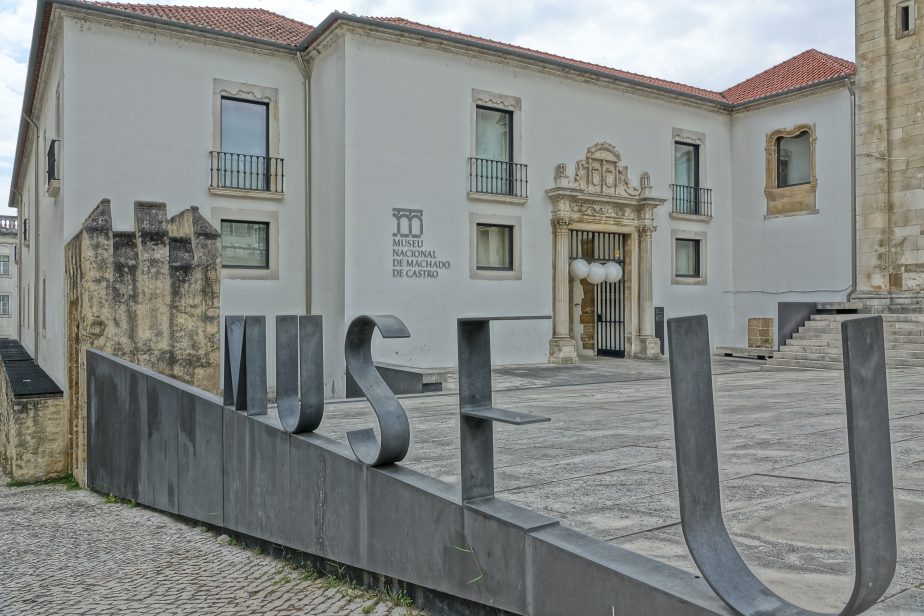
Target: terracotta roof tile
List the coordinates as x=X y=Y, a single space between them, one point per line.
x=254 y=23
x=808 y=67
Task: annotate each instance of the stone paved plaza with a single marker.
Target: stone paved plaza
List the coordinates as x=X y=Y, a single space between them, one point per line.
x=604 y=465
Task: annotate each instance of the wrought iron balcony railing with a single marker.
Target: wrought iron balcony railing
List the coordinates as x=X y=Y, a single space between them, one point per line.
x=247 y=172
x=691 y=200
x=497 y=177
x=53 y=156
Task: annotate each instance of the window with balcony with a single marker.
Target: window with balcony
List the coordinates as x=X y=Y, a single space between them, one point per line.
x=688 y=196
x=244 y=159
x=492 y=169
x=245 y=244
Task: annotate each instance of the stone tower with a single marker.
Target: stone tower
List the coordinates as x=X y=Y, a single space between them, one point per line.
x=890 y=154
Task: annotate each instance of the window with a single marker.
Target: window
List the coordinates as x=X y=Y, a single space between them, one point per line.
x=686 y=164
x=44 y=305
x=494 y=247
x=686 y=258
x=4 y=304
x=242 y=162
x=493 y=134
x=244 y=244
x=689 y=257
x=906 y=17
x=4 y=265
x=794 y=163
x=791 y=183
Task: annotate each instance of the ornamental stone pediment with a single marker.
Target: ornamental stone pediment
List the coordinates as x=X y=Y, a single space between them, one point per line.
x=602 y=173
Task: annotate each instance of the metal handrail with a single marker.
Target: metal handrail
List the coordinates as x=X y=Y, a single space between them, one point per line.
x=246 y=172
x=691 y=200
x=497 y=177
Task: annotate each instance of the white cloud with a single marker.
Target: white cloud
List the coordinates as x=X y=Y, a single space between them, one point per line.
x=707 y=43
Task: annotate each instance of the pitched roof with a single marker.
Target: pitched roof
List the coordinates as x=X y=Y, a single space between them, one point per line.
x=808 y=67
x=252 y=23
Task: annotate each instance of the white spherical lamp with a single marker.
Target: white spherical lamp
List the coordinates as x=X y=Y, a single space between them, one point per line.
x=597 y=273
x=613 y=272
x=579 y=268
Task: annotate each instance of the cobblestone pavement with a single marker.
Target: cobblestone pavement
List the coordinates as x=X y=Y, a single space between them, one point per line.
x=69 y=552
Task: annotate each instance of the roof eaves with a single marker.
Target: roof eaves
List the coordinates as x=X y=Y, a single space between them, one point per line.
x=782 y=93
x=333 y=18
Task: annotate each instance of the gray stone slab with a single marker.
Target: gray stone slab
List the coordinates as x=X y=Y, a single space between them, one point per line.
x=161 y=435
x=200 y=458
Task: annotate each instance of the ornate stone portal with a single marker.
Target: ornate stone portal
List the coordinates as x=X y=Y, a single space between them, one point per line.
x=601 y=198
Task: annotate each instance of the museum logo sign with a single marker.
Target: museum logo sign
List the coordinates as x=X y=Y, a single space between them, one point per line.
x=410 y=257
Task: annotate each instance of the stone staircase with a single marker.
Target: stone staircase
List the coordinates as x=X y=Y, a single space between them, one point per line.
x=817 y=344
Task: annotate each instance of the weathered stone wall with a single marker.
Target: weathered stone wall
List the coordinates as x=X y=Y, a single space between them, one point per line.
x=150 y=296
x=890 y=151
x=33 y=434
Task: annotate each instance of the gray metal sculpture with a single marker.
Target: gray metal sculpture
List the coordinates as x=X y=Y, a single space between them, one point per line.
x=698 y=472
x=393 y=424
x=300 y=372
x=245 y=364
x=476 y=407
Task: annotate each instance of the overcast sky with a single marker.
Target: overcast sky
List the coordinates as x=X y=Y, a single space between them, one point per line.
x=708 y=43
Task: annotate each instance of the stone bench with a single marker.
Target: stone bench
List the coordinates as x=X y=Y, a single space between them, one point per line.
x=403 y=380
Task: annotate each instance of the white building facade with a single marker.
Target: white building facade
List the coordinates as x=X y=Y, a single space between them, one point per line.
x=382 y=167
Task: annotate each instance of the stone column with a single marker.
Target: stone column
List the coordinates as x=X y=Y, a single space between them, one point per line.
x=649 y=347
x=562 y=347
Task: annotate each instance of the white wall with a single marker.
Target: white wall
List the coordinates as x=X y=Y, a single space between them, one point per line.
x=8 y=287
x=797 y=258
x=407 y=139
x=140 y=126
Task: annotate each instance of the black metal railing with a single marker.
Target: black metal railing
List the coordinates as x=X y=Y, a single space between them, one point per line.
x=497 y=177
x=247 y=172
x=691 y=200
x=52 y=166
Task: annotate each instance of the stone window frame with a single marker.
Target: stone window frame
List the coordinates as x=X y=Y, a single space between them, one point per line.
x=684 y=234
x=265 y=216
x=9 y=306
x=795 y=200
x=516 y=273
x=913 y=17
x=504 y=102
x=249 y=92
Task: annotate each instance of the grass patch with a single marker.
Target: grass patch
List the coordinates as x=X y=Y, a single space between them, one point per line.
x=112 y=499
x=67 y=481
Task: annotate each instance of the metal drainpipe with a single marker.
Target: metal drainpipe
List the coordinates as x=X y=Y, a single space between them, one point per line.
x=853 y=191
x=309 y=262
x=35 y=239
x=18 y=277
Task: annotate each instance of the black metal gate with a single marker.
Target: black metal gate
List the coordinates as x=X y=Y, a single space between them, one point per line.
x=595 y=246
